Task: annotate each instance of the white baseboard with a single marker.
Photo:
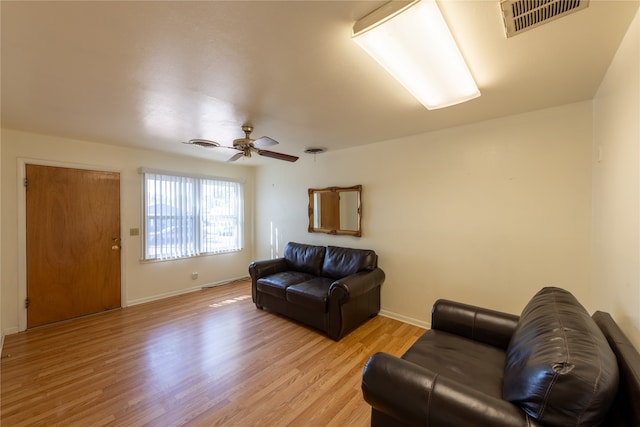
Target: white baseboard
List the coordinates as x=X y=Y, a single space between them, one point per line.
x=162 y=296
x=405 y=319
x=9 y=331
x=225 y=282
x=181 y=291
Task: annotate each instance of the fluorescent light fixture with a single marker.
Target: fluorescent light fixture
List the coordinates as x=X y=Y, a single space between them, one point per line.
x=413 y=43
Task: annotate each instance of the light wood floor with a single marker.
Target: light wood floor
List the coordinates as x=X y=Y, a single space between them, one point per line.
x=207 y=358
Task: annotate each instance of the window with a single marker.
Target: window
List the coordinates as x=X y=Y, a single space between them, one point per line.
x=187 y=216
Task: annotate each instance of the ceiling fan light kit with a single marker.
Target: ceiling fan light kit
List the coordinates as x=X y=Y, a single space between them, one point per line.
x=412 y=42
x=246 y=146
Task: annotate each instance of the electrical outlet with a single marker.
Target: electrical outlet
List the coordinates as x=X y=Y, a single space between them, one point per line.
x=194 y=275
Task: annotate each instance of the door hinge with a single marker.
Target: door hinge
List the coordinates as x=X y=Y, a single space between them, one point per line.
x=26 y=303
x=25 y=182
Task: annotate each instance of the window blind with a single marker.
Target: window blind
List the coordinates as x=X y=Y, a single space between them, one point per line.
x=188 y=216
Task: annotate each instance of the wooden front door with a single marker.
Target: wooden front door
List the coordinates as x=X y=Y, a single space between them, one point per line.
x=73 y=243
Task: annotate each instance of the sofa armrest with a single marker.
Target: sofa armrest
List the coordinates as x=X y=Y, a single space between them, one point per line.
x=258 y=269
x=414 y=395
x=476 y=323
x=356 y=284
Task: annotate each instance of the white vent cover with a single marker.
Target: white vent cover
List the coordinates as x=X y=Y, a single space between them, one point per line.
x=522 y=15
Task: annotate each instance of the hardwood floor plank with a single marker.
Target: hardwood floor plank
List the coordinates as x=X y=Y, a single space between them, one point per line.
x=207 y=358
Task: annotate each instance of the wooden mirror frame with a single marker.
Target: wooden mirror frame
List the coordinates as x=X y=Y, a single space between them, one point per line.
x=332 y=225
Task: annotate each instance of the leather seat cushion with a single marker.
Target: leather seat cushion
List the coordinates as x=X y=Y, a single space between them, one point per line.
x=312 y=293
x=559 y=367
x=277 y=284
x=469 y=362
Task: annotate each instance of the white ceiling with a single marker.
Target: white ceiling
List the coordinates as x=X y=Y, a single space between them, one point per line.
x=152 y=74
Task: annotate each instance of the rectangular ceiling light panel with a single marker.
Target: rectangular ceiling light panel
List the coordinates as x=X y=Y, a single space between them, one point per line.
x=413 y=43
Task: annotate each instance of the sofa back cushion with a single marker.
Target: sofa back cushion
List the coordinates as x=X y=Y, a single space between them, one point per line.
x=304 y=258
x=625 y=410
x=342 y=262
x=559 y=367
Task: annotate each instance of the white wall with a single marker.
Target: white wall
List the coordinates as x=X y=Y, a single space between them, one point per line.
x=616 y=187
x=141 y=281
x=486 y=213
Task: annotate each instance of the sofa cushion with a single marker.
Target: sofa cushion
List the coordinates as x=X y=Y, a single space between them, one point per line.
x=311 y=294
x=559 y=367
x=277 y=284
x=304 y=258
x=342 y=262
x=469 y=362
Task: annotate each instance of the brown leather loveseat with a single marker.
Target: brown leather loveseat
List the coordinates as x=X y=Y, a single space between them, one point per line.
x=554 y=365
x=330 y=288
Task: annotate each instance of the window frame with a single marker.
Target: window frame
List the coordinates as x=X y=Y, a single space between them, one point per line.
x=197 y=216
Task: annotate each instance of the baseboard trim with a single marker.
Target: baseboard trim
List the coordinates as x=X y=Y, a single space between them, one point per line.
x=225 y=282
x=405 y=319
x=9 y=331
x=162 y=296
x=182 y=291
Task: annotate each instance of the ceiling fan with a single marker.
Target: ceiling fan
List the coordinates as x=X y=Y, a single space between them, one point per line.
x=246 y=146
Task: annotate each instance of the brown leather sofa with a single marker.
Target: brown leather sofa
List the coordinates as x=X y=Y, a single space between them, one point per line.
x=330 y=288
x=554 y=365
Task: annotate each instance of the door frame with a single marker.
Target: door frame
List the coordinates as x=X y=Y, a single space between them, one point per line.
x=22 y=229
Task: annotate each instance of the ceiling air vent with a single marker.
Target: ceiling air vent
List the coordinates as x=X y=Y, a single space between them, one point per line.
x=522 y=15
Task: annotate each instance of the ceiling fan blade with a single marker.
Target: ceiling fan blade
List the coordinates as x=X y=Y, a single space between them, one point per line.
x=235 y=157
x=206 y=143
x=278 y=156
x=264 y=141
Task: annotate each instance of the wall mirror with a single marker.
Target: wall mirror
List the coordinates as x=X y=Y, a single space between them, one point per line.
x=335 y=210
